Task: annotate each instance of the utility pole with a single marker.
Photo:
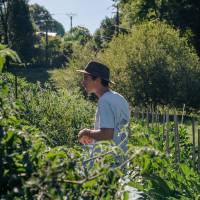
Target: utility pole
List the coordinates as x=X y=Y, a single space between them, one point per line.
x=4 y=22
x=117 y=20
x=47 y=43
x=46 y=20
x=71 y=15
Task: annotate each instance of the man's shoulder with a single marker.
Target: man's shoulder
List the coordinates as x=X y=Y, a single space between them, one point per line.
x=111 y=97
x=108 y=96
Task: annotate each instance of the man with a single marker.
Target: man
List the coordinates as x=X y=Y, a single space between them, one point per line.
x=112 y=113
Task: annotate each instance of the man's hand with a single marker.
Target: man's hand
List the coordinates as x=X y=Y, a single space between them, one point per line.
x=84 y=138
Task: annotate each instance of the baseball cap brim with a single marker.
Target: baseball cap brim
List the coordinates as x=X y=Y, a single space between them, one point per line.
x=85 y=72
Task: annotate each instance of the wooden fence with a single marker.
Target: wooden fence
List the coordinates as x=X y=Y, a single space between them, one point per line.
x=154 y=120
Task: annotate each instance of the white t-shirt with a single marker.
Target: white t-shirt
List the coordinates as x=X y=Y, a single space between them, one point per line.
x=113 y=112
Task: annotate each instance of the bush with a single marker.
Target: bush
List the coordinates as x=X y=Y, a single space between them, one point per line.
x=68 y=78
x=60 y=115
x=153 y=64
x=30 y=169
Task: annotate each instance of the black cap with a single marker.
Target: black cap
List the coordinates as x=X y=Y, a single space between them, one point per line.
x=97 y=69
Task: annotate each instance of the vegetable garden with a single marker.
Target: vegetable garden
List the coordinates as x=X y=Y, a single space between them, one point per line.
x=41 y=159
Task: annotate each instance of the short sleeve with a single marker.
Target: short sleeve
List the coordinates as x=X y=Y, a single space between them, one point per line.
x=106 y=115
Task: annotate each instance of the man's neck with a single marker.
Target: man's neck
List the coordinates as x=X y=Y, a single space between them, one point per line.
x=102 y=91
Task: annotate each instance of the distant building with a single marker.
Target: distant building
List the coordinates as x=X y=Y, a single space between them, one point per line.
x=50 y=34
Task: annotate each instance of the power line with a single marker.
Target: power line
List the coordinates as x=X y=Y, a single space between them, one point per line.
x=104 y=37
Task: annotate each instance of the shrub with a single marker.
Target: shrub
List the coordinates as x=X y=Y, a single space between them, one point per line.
x=153 y=64
x=30 y=169
x=60 y=115
x=68 y=78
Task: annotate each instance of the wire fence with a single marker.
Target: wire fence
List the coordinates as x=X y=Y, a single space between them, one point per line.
x=160 y=123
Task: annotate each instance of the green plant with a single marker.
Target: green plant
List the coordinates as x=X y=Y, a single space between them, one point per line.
x=6 y=52
x=31 y=167
x=156 y=66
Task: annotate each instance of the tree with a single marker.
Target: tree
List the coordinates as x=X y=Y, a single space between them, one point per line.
x=59 y=53
x=105 y=32
x=182 y=14
x=79 y=34
x=41 y=16
x=154 y=65
x=21 y=31
x=58 y=28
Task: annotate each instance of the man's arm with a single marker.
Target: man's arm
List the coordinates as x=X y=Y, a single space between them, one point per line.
x=102 y=134
x=98 y=135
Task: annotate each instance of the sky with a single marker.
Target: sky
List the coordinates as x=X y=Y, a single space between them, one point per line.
x=88 y=13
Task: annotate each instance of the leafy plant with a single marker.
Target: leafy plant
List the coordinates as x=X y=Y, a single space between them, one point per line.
x=31 y=167
x=155 y=64
x=6 y=52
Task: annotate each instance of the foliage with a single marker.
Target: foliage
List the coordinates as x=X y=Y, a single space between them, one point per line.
x=6 y=52
x=79 y=34
x=16 y=161
x=68 y=78
x=39 y=154
x=103 y=35
x=30 y=169
x=58 y=28
x=55 y=113
x=57 y=51
x=156 y=66
x=154 y=172
x=182 y=14
x=43 y=18
x=4 y=12
x=160 y=178
x=21 y=31
x=18 y=32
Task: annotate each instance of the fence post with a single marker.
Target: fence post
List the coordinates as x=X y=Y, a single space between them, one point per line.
x=147 y=116
x=136 y=113
x=183 y=113
x=157 y=123
x=177 y=147
x=152 y=118
x=193 y=144
x=163 y=132
x=142 y=115
x=167 y=134
x=16 y=89
x=199 y=151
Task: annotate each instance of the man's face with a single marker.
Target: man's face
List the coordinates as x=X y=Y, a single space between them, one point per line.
x=88 y=83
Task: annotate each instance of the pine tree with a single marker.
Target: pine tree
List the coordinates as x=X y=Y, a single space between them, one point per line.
x=21 y=31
